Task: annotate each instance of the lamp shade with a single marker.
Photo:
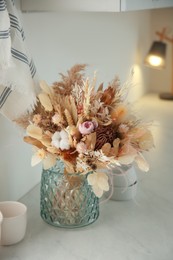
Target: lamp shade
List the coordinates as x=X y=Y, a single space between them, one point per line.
x=156 y=55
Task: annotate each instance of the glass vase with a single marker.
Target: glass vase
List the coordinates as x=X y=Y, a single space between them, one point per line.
x=67 y=200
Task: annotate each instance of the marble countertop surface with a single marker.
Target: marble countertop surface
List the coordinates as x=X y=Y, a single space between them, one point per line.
x=140 y=229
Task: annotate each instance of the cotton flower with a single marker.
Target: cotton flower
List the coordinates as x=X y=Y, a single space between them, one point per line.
x=99 y=183
x=86 y=128
x=60 y=140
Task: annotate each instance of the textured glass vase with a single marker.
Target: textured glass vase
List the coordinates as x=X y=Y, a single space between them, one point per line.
x=67 y=200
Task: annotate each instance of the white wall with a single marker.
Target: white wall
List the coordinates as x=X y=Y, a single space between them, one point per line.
x=16 y=174
x=160 y=80
x=109 y=43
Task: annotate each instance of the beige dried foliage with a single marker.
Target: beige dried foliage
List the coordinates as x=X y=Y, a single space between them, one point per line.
x=33 y=141
x=45 y=101
x=45 y=87
x=100 y=165
x=74 y=131
x=69 y=103
x=114 y=150
x=69 y=167
x=119 y=114
x=88 y=89
x=74 y=76
x=34 y=131
x=106 y=149
x=90 y=141
x=100 y=88
x=73 y=109
x=69 y=118
x=53 y=150
x=108 y=96
x=23 y=121
x=71 y=141
x=46 y=140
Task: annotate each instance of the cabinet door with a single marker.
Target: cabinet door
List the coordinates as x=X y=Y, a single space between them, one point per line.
x=132 y=5
x=162 y=3
x=72 y=5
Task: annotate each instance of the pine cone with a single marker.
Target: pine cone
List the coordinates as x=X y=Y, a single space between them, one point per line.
x=104 y=134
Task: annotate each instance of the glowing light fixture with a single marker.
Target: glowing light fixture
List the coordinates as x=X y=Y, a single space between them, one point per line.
x=156 y=57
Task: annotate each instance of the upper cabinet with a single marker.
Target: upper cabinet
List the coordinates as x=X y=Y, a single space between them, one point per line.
x=132 y=5
x=71 y=5
x=92 y=5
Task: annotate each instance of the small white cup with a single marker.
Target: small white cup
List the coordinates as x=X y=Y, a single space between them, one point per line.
x=13 y=222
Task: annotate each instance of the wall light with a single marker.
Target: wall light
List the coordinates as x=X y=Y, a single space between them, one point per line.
x=156 y=58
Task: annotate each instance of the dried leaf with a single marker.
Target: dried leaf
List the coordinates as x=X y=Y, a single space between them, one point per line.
x=142 y=163
x=100 y=88
x=34 y=131
x=45 y=87
x=53 y=150
x=90 y=141
x=69 y=167
x=46 y=140
x=106 y=149
x=74 y=76
x=35 y=159
x=45 y=101
x=33 y=141
x=126 y=159
x=73 y=110
x=108 y=96
x=49 y=161
x=115 y=148
x=68 y=117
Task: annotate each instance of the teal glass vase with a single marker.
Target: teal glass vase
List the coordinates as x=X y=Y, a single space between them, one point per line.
x=67 y=200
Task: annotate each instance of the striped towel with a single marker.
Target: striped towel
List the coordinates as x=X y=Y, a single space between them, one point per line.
x=18 y=81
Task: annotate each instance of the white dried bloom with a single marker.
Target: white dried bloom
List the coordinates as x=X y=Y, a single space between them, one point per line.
x=60 y=140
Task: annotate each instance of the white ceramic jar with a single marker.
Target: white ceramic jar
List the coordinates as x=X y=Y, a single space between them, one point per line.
x=124 y=183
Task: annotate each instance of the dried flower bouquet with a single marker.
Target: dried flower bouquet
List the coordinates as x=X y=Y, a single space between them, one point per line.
x=87 y=129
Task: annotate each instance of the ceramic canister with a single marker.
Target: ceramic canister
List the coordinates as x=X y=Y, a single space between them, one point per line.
x=124 y=183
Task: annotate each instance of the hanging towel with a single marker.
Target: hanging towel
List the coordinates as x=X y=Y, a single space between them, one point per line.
x=18 y=80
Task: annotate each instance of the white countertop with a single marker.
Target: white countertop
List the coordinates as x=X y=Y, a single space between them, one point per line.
x=141 y=229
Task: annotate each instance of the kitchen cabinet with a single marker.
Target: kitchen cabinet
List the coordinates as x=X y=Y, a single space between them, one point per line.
x=71 y=5
x=93 y=5
x=132 y=5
